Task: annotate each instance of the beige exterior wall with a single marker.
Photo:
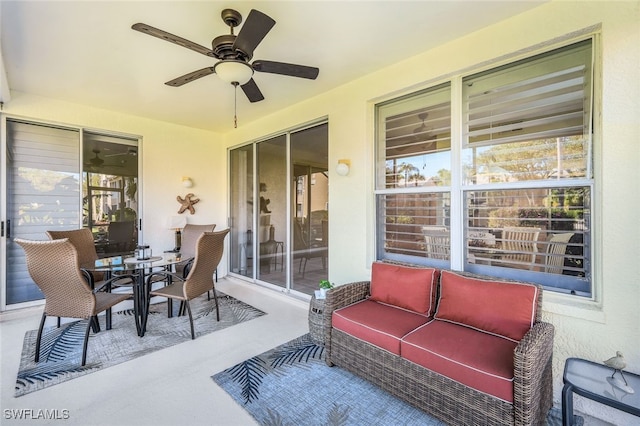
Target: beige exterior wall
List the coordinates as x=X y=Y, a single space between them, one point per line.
x=592 y=330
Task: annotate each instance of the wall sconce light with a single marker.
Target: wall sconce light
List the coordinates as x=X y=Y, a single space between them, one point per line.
x=343 y=167
x=187 y=182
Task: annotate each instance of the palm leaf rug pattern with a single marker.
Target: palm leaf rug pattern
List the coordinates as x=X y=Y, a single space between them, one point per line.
x=250 y=373
x=292 y=385
x=61 y=350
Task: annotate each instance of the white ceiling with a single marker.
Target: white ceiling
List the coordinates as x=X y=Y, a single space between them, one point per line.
x=86 y=52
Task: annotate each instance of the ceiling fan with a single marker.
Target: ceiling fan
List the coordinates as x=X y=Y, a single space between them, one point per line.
x=96 y=161
x=419 y=131
x=234 y=53
x=130 y=152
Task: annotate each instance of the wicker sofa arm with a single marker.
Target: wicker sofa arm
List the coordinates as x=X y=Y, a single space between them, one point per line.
x=533 y=387
x=339 y=297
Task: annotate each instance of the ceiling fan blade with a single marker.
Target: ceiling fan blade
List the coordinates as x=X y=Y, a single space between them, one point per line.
x=188 y=78
x=252 y=32
x=250 y=89
x=148 y=29
x=282 y=68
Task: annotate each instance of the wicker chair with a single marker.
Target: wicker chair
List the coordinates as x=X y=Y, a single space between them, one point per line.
x=209 y=250
x=53 y=266
x=190 y=235
x=82 y=240
x=122 y=237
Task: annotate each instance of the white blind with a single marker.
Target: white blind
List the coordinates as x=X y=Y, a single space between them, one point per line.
x=43 y=192
x=545 y=97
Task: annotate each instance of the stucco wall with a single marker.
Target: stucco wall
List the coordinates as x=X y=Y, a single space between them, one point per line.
x=587 y=329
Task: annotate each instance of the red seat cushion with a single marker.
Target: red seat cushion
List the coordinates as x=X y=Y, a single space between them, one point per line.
x=506 y=309
x=376 y=323
x=479 y=360
x=409 y=288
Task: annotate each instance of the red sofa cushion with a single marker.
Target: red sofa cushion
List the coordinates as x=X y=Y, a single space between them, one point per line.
x=404 y=286
x=479 y=360
x=502 y=308
x=376 y=323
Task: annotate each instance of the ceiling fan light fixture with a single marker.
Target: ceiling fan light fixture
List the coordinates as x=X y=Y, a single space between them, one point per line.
x=232 y=71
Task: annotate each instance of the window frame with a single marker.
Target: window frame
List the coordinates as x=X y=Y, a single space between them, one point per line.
x=458 y=188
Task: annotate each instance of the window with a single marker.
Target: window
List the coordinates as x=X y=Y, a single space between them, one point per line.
x=519 y=175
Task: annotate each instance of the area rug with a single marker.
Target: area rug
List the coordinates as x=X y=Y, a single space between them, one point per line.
x=61 y=353
x=292 y=385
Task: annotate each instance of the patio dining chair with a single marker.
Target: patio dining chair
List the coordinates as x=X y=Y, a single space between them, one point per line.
x=82 y=240
x=437 y=242
x=190 y=235
x=53 y=266
x=520 y=246
x=556 y=250
x=305 y=250
x=122 y=237
x=209 y=250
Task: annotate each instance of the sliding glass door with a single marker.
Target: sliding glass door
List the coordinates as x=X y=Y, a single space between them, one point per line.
x=271 y=229
x=241 y=211
x=279 y=213
x=60 y=178
x=310 y=208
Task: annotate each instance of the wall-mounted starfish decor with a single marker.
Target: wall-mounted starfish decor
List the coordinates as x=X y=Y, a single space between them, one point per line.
x=187 y=203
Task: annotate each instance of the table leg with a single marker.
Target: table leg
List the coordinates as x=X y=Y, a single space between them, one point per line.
x=144 y=302
x=567 y=405
x=146 y=299
x=138 y=293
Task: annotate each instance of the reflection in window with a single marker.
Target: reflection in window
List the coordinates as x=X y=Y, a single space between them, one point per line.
x=538 y=230
x=417 y=140
x=415 y=225
x=110 y=192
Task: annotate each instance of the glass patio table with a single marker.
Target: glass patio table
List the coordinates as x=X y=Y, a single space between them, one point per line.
x=593 y=381
x=111 y=266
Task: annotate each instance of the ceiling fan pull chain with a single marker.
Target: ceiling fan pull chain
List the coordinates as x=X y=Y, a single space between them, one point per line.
x=235 y=104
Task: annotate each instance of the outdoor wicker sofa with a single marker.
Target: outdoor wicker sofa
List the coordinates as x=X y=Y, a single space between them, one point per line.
x=467 y=399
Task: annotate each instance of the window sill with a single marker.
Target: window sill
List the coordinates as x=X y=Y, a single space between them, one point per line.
x=572 y=306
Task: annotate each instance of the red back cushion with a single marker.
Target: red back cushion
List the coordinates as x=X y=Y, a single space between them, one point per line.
x=404 y=286
x=502 y=308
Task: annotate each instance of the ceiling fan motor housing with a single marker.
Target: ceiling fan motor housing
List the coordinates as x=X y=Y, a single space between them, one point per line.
x=222 y=47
